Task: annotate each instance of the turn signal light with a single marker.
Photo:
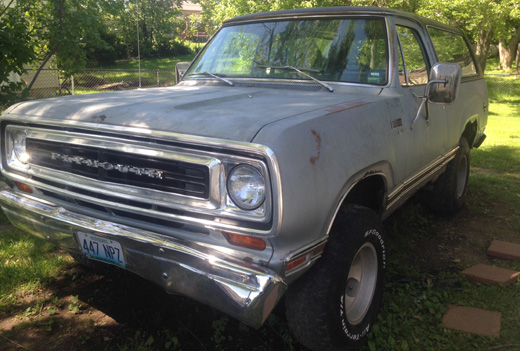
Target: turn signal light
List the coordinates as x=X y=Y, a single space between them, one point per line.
x=24 y=187
x=296 y=263
x=304 y=258
x=249 y=242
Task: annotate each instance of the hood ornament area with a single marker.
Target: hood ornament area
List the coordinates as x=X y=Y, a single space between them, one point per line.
x=108 y=166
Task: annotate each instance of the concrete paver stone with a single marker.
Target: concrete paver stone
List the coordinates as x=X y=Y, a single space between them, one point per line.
x=489 y=274
x=503 y=249
x=473 y=320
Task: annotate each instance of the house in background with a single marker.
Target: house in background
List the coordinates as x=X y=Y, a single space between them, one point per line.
x=192 y=14
x=46 y=85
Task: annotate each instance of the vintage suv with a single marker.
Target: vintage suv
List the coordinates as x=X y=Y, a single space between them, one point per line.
x=266 y=170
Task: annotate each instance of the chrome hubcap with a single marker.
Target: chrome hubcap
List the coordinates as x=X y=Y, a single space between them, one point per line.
x=361 y=284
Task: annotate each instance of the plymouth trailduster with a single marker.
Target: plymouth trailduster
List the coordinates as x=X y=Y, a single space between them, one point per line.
x=266 y=171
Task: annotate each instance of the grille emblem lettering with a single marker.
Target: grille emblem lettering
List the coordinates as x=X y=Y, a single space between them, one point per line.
x=150 y=172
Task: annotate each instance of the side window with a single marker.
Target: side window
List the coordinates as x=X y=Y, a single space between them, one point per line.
x=451 y=47
x=413 y=69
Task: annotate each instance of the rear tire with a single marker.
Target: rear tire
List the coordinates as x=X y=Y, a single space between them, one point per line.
x=450 y=190
x=335 y=304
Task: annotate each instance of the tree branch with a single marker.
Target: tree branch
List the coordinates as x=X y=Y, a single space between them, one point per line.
x=14 y=343
x=1 y=14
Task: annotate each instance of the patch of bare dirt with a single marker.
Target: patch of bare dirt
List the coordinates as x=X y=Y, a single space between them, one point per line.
x=454 y=243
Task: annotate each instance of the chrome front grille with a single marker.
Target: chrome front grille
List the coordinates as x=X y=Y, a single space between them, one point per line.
x=138 y=177
x=122 y=168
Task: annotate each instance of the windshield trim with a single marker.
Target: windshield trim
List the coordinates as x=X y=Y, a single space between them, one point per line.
x=351 y=15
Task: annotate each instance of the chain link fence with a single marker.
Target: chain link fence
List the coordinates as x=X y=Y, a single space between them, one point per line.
x=504 y=87
x=52 y=82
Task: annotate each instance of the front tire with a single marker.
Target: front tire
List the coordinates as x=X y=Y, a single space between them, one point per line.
x=334 y=306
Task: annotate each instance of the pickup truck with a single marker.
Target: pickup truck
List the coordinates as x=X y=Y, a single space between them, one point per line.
x=267 y=171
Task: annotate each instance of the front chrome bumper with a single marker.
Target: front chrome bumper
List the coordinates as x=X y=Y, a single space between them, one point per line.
x=245 y=291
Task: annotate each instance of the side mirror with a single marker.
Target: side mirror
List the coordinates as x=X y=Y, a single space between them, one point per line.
x=442 y=87
x=444 y=83
x=180 y=69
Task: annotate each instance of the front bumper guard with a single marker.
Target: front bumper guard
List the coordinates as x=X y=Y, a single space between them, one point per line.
x=245 y=291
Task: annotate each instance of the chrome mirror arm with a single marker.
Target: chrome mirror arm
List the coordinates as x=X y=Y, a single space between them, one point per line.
x=425 y=99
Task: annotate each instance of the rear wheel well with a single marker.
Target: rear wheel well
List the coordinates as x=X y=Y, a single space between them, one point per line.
x=368 y=192
x=470 y=133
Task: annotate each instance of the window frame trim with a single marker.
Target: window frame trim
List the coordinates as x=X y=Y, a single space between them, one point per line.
x=479 y=72
x=426 y=56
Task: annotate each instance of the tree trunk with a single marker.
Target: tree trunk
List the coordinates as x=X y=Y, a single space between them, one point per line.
x=507 y=50
x=505 y=55
x=518 y=58
x=483 y=42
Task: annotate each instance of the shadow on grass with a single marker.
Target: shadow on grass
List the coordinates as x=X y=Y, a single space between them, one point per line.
x=501 y=158
x=119 y=310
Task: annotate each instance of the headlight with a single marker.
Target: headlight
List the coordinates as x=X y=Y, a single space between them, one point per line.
x=20 y=150
x=246 y=187
x=16 y=148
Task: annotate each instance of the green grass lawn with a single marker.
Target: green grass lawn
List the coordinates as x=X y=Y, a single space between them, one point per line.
x=26 y=264
x=496 y=164
x=504 y=88
x=163 y=63
x=155 y=72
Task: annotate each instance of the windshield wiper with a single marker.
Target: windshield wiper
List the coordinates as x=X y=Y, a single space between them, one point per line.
x=213 y=75
x=300 y=71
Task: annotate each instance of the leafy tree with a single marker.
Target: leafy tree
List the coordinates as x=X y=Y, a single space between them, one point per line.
x=485 y=22
x=158 y=23
x=214 y=12
x=16 y=49
x=508 y=33
x=64 y=30
x=477 y=18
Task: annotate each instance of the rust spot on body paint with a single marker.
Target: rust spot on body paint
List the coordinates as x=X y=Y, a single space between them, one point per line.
x=346 y=106
x=317 y=137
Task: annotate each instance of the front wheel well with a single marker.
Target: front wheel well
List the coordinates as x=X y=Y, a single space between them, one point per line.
x=368 y=192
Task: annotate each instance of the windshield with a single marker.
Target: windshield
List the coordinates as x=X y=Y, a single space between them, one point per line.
x=343 y=50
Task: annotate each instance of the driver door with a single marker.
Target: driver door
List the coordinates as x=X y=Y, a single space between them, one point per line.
x=429 y=132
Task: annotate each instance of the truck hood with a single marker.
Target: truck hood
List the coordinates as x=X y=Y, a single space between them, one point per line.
x=233 y=113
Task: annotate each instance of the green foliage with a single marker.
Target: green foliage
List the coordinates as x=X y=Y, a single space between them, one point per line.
x=75 y=305
x=483 y=21
x=140 y=341
x=214 y=12
x=37 y=32
x=16 y=50
x=158 y=23
x=64 y=29
x=219 y=332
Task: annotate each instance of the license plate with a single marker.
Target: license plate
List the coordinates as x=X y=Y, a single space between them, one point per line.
x=102 y=249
